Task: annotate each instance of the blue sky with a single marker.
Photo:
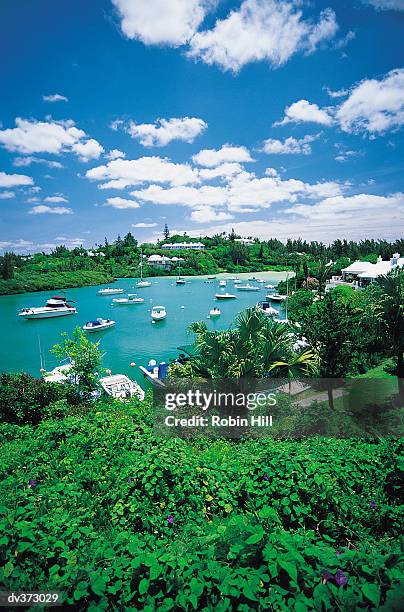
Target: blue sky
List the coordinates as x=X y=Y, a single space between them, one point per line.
x=278 y=118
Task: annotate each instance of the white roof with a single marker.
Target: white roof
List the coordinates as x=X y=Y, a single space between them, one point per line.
x=358 y=266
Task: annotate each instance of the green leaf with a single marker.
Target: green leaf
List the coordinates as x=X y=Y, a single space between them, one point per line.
x=99 y=585
x=290 y=568
x=255 y=537
x=372 y=593
x=143 y=586
x=8 y=569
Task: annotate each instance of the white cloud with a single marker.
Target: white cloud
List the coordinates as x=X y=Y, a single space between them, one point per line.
x=56 y=199
x=163 y=131
x=290 y=146
x=16 y=244
x=55 y=98
x=115 y=154
x=185 y=196
x=223 y=171
x=90 y=149
x=14 y=180
x=21 y=162
x=141 y=224
x=121 y=203
x=156 y=22
x=49 y=137
x=7 y=195
x=304 y=111
x=207 y=214
x=261 y=30
x=121 y=173
x=42 y=209
x=374 y=105
x=227 y=153
x=340 y=93
x=386 y=5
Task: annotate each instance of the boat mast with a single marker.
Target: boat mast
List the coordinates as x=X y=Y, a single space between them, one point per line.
x=141 y=265
x=287 y=294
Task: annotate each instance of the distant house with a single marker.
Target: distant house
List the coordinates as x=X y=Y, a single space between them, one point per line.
x=188 y=246
x=162 y=261
x=244 y=240
x=359 y=274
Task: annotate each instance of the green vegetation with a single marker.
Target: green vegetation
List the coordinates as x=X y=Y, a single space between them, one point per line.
x=63 y=268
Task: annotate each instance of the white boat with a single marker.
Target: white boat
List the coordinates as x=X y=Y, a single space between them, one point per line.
x=248 y=287
x=224 y=296
x=237 y=281
x=214 y=312
x=180 y=281
x=253 y=278
x=270 y=287
x=266 y=308
x=131 y=299
x=56 y=306
x=98 y=325
x=276 y=297
x=142 y=283
x=109 y=291
x=60 y=374
x=121 y=387
x=158 y=313
x=222 y=283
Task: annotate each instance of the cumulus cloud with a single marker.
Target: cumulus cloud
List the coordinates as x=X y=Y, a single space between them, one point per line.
x=261 y=30
x=115 y=154
x=121 y=203
x=185 y=196
x=386 y=5
x=207 y=215
x=304 y=111
x=374 y=106
x=142 y=224
x=339 y=93
x=7 y=195
x=290 y=146
x=222 y=171
x=49 y=137
x=227 y=153
x=21 y=162
x=42 y=209
x=14 y=180
x=55 y=98
x=163 y=131
x=158 y=22
x=121 y=173
x=56 y=199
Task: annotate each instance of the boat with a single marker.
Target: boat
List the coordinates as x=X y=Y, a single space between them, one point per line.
x=265 y=307
x=158 y=313
x=110 y=291
x=270 y=287
x=131 y=299
x=214 y=312
x=248 y=287
x=56 y=306
x=253 y=278
x=276 y=297
x=222 y=283
x=154 y=372
x=60 y=374
x=142 y=283
x=180 y=281
x=211 y=277
x=121 y=387
x=237 y=281
x=224 y=296
x=98 y=325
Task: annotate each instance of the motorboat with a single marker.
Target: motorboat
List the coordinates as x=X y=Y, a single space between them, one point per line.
x=211 y=277
x=56 y=306
x=131 y=299
x=265 y=307
x=61 y=374
x=248 y=287
x=276 y=297
x=214 y=312
x=272 y=287
x=222 y=283
x=154 y=372
x=260 y=280
x=237 y=281
x=224 y=296
x=142 y=283
x=158 y=313
x=98 y=325
x=110 y=291
x=121 y=387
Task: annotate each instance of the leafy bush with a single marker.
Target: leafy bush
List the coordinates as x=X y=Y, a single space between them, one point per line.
x=23 y=398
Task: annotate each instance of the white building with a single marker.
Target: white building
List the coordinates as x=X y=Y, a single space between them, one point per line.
x=189 y=246
x=359 y=274
x=244 y=240
x=161 y=261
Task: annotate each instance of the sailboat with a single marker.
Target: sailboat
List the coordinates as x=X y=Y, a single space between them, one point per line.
x=180 y=281
x=142 y=283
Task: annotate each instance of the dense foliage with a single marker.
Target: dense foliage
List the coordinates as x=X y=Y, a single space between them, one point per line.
x=97 y=508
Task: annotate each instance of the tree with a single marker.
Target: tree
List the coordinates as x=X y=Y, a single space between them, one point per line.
x=238 y=252
x=7 y=265
x=391 y=308
x=129 y=240
x=85 y=357
x=166 y=232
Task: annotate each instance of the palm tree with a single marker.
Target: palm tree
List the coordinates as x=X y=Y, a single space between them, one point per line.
x=391 y=310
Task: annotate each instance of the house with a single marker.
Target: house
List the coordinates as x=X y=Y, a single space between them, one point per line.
x=247 y=241
x=159 y=261
x=188 y=246
x=359 y=274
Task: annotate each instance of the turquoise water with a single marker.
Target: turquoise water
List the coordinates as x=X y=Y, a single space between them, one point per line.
x=134 y=338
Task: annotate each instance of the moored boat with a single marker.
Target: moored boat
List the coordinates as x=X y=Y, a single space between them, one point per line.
x=158 y=313
x=248 y=287
x=121 y=387
x=98 y=325
x=276 y=297
x=110 y=291
x=222 y=283
x=224 y=296
x=56 y=306
x=265 y=307
x=131 y=299
x=214 y=312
